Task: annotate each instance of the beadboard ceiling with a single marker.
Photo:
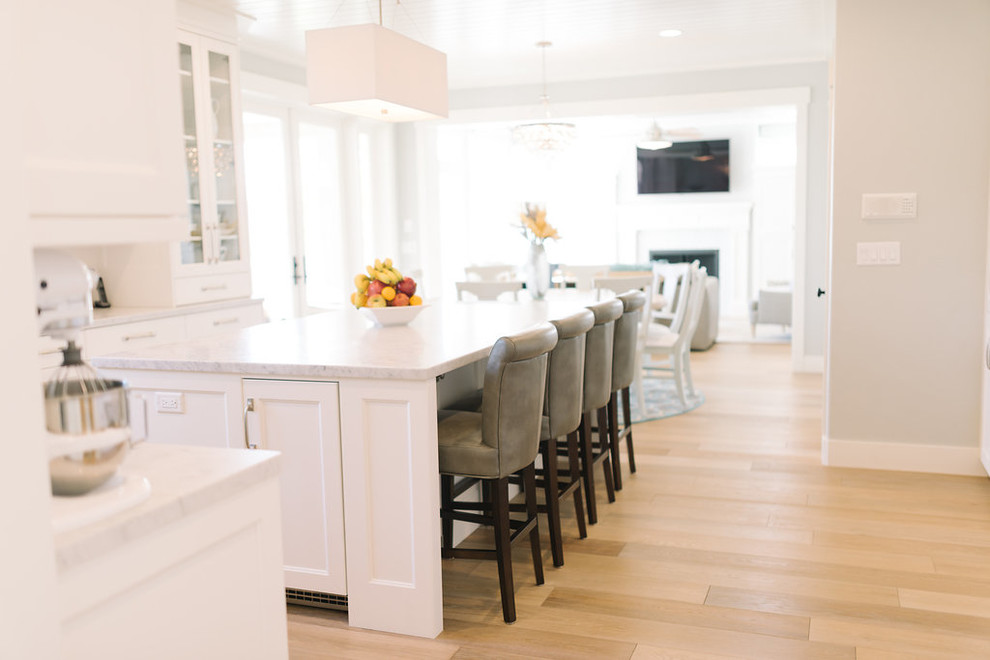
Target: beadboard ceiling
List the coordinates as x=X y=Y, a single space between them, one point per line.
x=494 y=43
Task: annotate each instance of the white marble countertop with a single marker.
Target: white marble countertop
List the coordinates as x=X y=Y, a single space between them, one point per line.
x=117 y=315
x=343 y=344
x=183 y=479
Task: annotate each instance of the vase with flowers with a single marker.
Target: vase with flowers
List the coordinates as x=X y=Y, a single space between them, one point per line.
x=534 y=226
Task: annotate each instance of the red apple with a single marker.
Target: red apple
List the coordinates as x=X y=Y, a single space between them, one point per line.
x=407 y=286
x=400 y=300
x=375 y=288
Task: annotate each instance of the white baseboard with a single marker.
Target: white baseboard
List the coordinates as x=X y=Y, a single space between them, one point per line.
x=902 y=457
x=809 y=364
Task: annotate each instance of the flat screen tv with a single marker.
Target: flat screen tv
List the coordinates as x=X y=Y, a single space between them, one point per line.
x=685 y=167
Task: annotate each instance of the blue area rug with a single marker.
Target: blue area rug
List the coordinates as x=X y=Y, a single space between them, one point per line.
x=661 y=400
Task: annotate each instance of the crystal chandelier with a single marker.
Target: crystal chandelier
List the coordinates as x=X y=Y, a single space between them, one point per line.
x=545 y=135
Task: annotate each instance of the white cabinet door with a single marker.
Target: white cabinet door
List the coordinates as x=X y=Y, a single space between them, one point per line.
x=211 y=134
x=301 y=419
x=189 y=408
x=104 y=164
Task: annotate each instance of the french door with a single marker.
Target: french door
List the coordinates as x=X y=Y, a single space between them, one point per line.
x=298 y=241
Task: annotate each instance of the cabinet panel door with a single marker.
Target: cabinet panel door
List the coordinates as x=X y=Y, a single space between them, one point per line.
x=189 y=408
x=103 y=110
x=302 y=420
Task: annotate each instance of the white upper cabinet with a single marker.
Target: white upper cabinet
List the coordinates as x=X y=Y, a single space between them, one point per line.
x=104 y=164
x=211 y=130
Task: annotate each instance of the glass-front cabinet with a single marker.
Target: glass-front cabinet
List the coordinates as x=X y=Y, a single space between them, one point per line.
x=216 y=241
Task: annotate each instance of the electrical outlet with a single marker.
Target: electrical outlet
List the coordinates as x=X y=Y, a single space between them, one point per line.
x=170 y=402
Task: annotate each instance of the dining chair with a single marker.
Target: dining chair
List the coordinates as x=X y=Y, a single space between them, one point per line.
x=674 y=292
x=647 y=282
x=490 y=445
x=582 y=275
x=597 y=390
x=562 y=406
x=674 y=348
x=625 y=364
x=491 y=273
x=488 y=290
x=618 y=281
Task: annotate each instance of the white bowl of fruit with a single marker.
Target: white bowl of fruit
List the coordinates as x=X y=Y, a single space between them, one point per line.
x=384 y=296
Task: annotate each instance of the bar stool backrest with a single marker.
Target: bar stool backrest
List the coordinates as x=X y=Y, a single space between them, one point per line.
x=598 y=354
x=565 y=374
x=512 y=399
x=626 y=341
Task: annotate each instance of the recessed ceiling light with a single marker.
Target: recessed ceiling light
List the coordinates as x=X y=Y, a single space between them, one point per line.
x=673 y=32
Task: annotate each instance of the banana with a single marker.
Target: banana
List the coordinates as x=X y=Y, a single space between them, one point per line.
x=378 y=264
x=371 y=273
x=388 y=262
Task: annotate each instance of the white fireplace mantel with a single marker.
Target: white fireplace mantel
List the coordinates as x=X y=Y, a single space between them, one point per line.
x=725 y=226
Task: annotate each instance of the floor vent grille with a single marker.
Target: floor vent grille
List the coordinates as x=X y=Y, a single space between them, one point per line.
x=316 y=599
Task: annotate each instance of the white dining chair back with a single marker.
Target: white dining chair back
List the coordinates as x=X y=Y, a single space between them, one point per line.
x=491 y=273
x=620 y=282
x=678 y=283
x=488 y=290
x=583 y=276
x=673 y=349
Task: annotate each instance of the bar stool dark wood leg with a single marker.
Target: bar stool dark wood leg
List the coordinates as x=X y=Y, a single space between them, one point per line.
x=551 y=492
x=627 y=429
x=446 y=524
x=573 y=467
x=588 y=469
x=606 y=450
x=503 y=546
x=613 y=439
x=529 y=483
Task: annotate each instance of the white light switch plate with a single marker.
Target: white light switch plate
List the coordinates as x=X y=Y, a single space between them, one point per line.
x=878 y=254
x=889 y=206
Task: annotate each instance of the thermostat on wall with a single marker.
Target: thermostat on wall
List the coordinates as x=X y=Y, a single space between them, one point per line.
x=890 y=206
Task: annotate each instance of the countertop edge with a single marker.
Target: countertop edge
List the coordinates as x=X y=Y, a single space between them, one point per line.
x=328 y=372
x=180 y=493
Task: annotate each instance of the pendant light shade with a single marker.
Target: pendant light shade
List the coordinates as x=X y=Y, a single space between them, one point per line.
x=375 y=72
x=654 y=140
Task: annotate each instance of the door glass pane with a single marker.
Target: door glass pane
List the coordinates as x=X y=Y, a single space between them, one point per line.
x=191 y=250
x=266 y=174
x=326 y=282
x=221 y=133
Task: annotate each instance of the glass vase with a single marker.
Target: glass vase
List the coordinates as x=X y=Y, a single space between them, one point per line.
x=537 y=272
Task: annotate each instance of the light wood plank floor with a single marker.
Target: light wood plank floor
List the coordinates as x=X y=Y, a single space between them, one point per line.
x=730 y=541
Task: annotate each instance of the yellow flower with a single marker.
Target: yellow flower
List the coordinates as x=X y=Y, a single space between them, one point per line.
x=534 y=225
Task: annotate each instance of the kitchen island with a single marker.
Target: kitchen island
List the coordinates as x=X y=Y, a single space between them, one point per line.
x=353 y=409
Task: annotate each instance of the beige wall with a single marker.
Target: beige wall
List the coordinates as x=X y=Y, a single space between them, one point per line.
x=912 y=114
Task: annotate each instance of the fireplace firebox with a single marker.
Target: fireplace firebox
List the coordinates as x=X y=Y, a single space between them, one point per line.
x=707 y=258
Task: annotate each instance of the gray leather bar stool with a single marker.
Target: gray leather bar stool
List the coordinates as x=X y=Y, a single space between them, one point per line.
x=624 y=348
x=597 y=390
x=563 y=404
x=491 y=445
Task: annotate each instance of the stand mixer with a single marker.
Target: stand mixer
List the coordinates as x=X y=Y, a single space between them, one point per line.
x=86 y=416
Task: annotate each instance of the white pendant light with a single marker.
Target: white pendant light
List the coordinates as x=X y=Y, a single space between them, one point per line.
x=545 y=135
x=375 y=72
x=655 y=139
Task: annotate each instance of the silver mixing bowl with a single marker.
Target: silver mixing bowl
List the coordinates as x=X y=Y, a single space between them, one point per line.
x=79 y=409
